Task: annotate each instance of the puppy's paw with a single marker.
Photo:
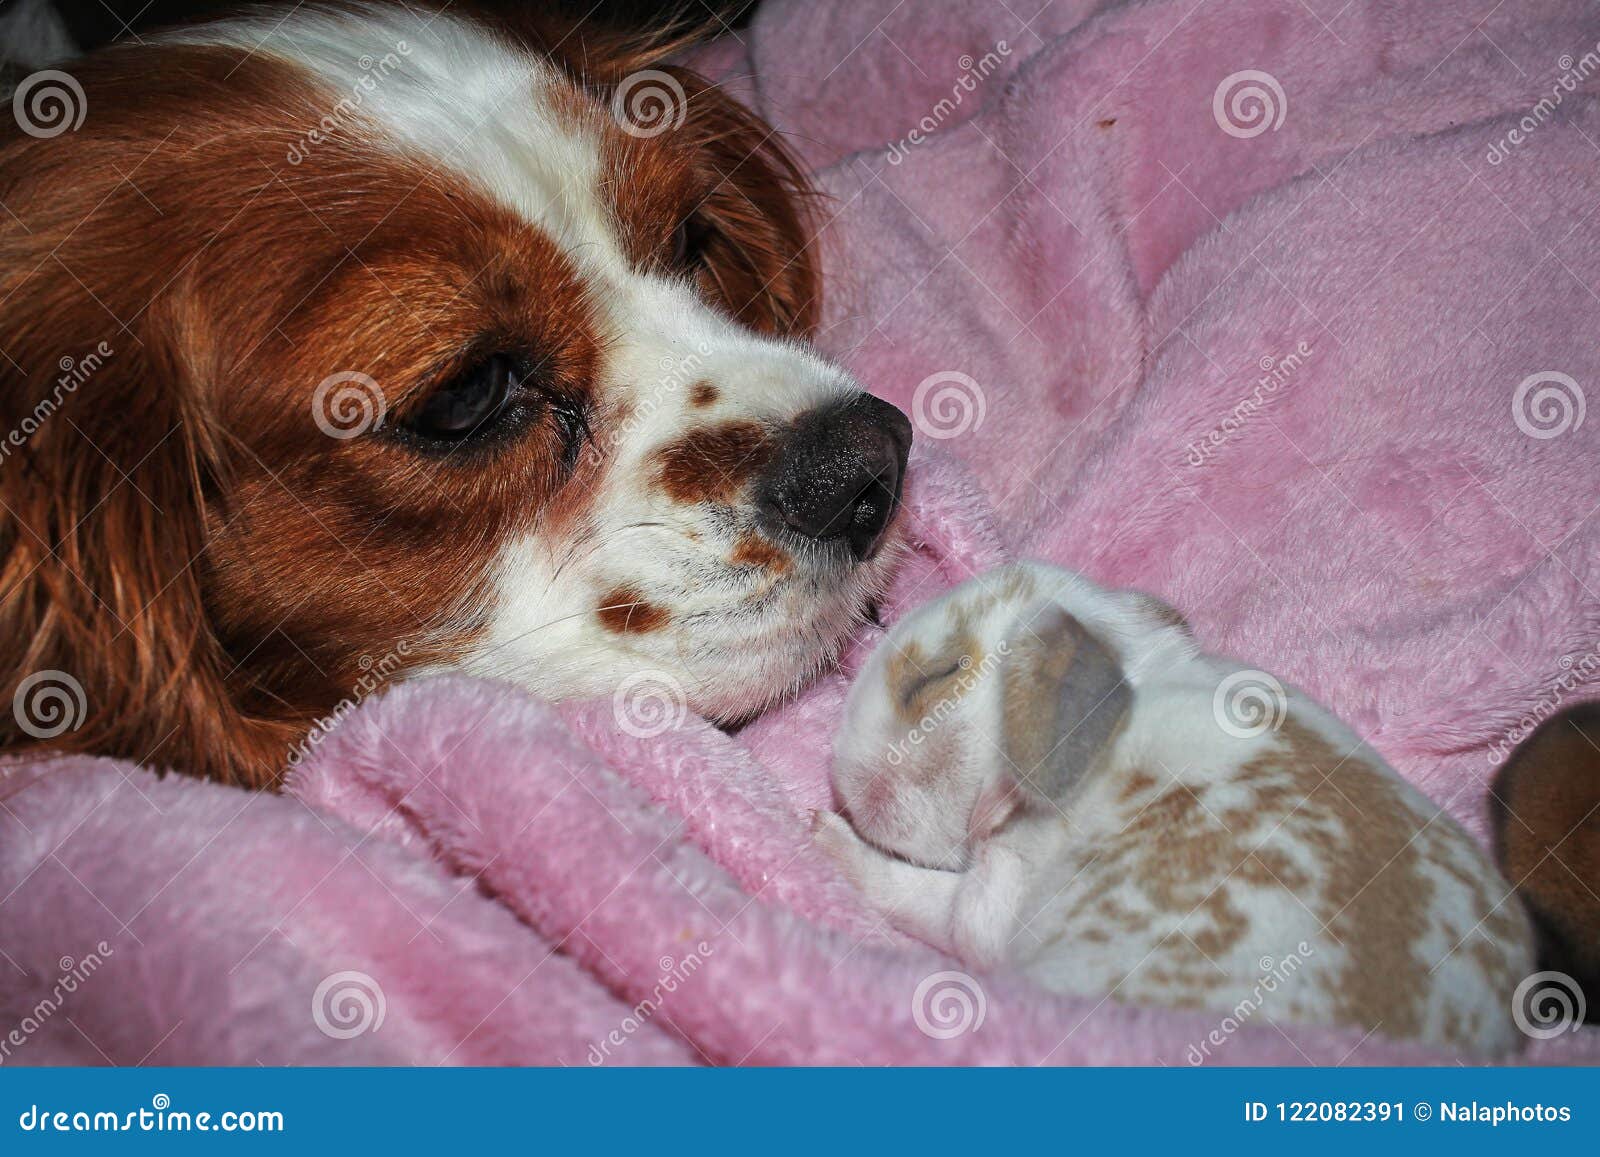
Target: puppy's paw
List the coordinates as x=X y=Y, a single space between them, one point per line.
x=836 y=839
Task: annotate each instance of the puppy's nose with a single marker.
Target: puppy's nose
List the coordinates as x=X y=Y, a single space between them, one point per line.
x=838 y=473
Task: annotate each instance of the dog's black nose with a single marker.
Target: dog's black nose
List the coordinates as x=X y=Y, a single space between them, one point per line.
x=838 y=473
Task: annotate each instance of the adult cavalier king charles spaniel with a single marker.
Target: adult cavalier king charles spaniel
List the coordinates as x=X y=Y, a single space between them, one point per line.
x=331 y=333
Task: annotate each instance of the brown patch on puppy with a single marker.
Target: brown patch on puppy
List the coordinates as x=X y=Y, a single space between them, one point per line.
x=703 y=394
x=713 y=463
x=1178 y=809
x=624 y=611
x=1185 y=885
x=1545 y=809
x=1370 y=885
x=1375 y=885
x=753 y=550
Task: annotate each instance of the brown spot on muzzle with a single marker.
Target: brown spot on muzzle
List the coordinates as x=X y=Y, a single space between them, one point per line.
x=703 y=394
x=753 y=550
x=624 y=611
x=713 y=463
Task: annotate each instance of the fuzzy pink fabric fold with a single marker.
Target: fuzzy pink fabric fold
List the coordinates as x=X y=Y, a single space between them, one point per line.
x=1080 y=251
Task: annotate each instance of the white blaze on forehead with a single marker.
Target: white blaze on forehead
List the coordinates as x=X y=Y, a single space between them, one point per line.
x=453 y=91
x=466 y=101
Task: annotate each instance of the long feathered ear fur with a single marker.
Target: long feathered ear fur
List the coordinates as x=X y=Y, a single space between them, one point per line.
x=760 y=215
x=110 y=465
x=108 y=644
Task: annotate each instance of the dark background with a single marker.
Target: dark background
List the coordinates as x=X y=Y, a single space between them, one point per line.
x=97 y=22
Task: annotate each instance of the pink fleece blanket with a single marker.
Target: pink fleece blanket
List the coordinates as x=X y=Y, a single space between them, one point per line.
x=1282 y=310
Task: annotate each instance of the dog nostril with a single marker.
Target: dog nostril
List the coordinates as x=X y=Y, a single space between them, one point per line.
x=839 y=473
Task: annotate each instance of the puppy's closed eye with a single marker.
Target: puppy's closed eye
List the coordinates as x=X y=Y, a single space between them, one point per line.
x=918 y=677
x=918 y=685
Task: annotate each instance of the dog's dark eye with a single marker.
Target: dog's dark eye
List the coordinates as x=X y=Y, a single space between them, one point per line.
x=468 y=404
x=689 y=243
x=489 y=403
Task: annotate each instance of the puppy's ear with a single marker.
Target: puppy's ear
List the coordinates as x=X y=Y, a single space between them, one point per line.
x=1065 y=699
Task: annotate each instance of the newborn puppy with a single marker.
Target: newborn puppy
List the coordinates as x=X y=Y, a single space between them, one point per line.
x=1049 y=775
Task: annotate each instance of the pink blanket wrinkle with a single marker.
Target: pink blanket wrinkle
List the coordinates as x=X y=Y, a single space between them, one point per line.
x=1280 y=310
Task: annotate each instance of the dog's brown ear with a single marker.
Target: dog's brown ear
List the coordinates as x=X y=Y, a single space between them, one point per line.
x=756 y=220
x=1545 y=810
x=758 y=217
x=105 y=641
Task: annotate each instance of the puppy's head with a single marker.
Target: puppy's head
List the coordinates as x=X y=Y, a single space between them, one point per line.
x=364 y=341
x=1001 y=695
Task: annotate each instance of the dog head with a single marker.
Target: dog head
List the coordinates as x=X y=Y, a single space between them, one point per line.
x=1001 y=695
x=355 y=340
